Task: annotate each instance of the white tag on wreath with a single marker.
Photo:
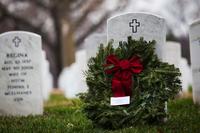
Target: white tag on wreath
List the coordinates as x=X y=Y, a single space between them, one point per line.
x=119 y=100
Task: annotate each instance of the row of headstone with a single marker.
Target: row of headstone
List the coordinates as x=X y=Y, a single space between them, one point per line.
x=151 y=27
x=25 y=79
x=172 y=55
x=72 y=79
x=137 y=25
x=22 y=73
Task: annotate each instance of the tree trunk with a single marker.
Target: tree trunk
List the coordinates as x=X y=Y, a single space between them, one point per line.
x=57 y=62
x=68 y=47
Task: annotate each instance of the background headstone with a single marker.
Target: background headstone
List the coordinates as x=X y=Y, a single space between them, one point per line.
x=47 y=78
x=194 y=34
x=20 y=74
x=137 y=25
x=92 y=43
x=186 y=75
x=172 y=55
x=72 y=79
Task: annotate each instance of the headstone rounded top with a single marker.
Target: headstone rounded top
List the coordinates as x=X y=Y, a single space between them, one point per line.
x=195 y=22
x=194 y=30
x=19 y=32
x=137 y=13
x=92 y=43
x=173 y=43
x=172 y=53
x=95 y=36
x=137 y=25
x=21 y=37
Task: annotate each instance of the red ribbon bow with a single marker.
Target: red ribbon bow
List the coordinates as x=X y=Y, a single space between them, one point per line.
x=123 y=71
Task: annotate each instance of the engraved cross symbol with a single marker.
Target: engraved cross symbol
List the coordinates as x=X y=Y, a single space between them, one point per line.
x=134 y=25
x=16 y=41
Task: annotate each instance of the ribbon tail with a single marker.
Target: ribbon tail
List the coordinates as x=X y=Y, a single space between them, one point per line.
x=127 y=84
x=117 y=88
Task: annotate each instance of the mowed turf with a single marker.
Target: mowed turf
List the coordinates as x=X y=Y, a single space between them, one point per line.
x=64 y=115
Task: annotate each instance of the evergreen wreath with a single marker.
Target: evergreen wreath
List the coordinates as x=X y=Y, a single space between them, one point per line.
x=157 y=83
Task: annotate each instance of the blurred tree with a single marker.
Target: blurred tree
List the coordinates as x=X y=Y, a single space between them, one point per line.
x=63 y=24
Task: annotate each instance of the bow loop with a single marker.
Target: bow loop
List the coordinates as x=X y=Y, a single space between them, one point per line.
x=136 y=64
x=111 y=65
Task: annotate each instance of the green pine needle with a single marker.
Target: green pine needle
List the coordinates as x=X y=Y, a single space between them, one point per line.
x=158 y=83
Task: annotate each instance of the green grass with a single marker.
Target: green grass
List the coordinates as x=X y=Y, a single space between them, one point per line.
x=63 y=115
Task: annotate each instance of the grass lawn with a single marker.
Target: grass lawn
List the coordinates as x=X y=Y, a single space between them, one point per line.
x=63 y=115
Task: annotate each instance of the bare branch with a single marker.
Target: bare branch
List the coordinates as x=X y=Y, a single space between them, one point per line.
x=92 y=29
x=92 y=6
x=77 y=5
x=24 y=22
x=38 y=3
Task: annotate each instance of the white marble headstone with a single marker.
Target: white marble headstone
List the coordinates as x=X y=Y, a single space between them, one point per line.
x=92 y=43
x=186 y=75
x=172 y=53
x=47 y=78
x=20 y=74
x=137 y=25
x=72 y=79
x=194 y=34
